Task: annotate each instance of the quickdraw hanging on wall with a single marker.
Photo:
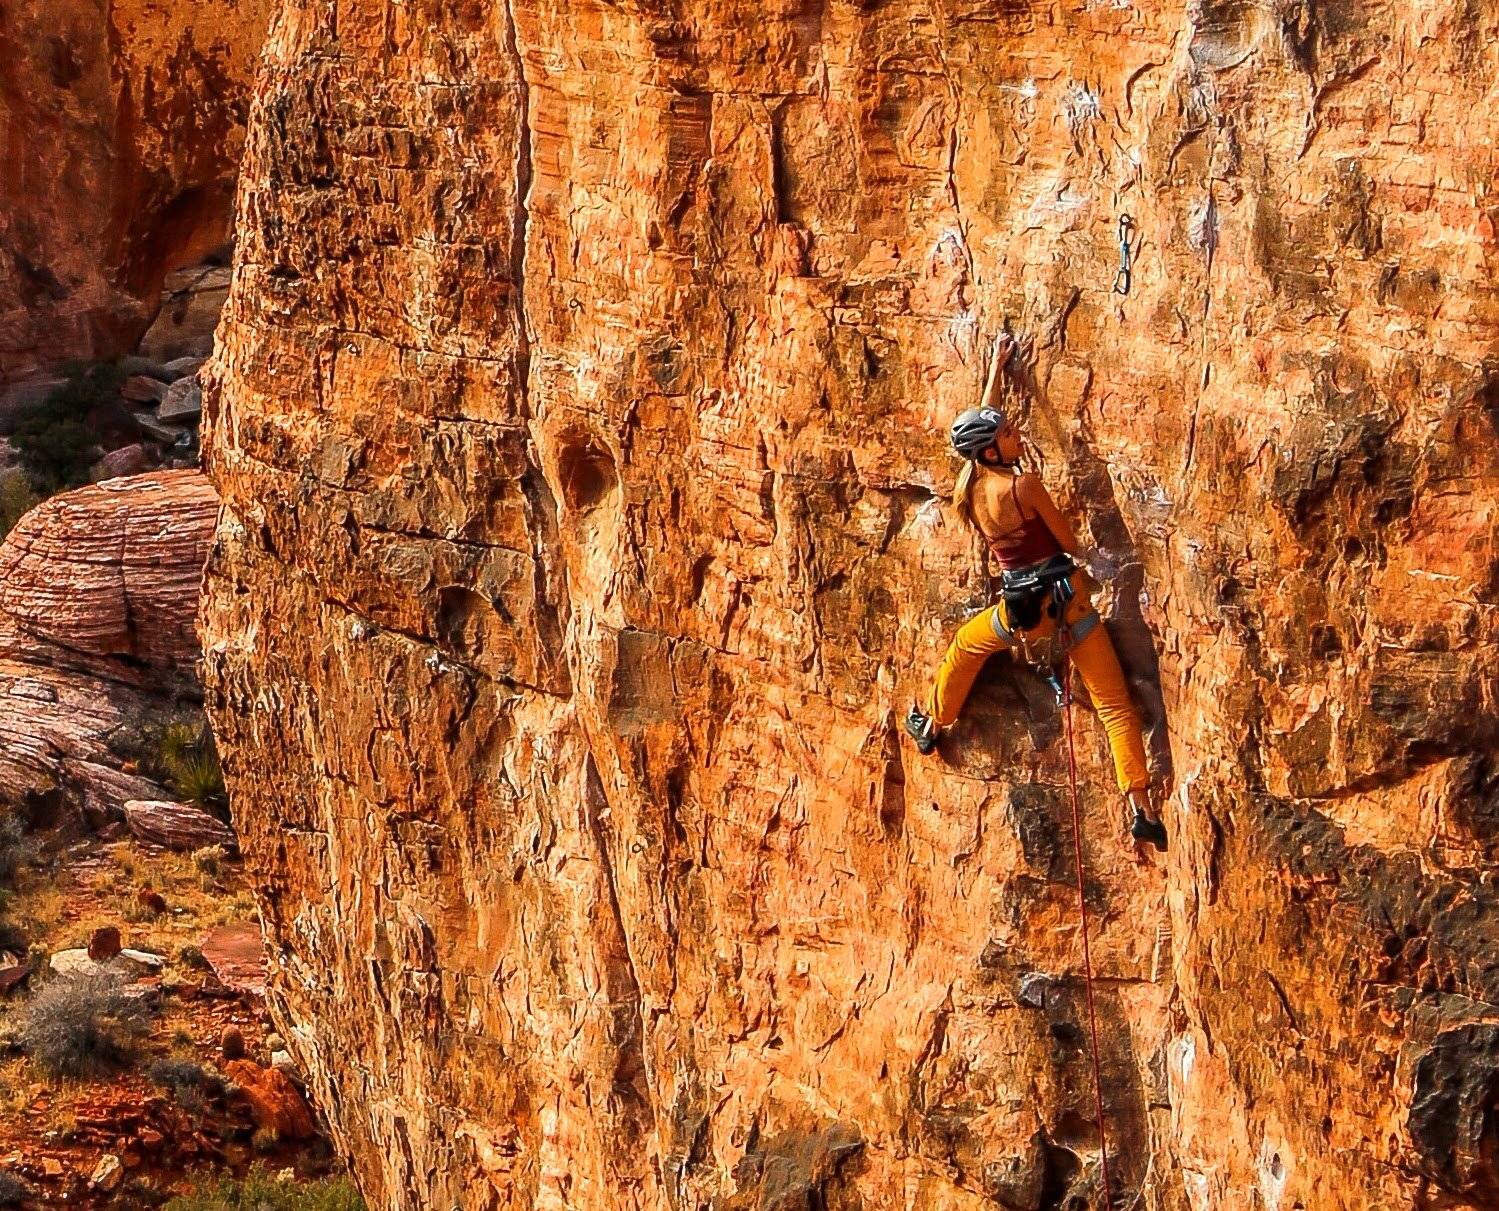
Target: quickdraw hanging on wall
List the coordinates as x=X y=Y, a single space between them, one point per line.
x=1124 y=278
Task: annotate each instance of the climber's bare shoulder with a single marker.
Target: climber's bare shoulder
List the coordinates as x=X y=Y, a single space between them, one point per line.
x=991 y=505
x=1031 y=491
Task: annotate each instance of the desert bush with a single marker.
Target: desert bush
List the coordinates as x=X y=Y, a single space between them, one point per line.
x=13 y=1190
x=16 y=847
x=83 y=1026
x=58 y=453
x=176 y=742
x=192 y=956
x=259 y=1191
x=200 y=779
x=175 y=1074
x=17 y=498
x=210 y=860
x=189 y=1082
x=12 y=937
x=168 y=1073
x=184 y=757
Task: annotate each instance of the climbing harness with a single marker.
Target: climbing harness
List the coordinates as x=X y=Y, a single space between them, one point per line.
x=1028 y=593
x=1030 y=590
x=1125 y=276
x=1082 y=905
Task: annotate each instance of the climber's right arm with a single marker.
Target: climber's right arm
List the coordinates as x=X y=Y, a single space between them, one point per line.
x=1004 y=345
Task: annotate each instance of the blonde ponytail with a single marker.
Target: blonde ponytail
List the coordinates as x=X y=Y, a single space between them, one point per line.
x=962 y=493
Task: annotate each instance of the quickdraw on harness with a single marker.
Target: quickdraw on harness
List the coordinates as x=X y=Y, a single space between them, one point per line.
x=1124 y=277
x=1029 y=594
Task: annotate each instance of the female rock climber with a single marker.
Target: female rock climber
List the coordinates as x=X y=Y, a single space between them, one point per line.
x=1040 y=559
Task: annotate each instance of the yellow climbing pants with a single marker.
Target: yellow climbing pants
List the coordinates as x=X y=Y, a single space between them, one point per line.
x=981 y=636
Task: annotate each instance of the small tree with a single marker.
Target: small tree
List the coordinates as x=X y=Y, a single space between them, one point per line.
x=54 y=439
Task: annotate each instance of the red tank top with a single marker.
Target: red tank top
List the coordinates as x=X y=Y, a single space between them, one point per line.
x=1031 y=543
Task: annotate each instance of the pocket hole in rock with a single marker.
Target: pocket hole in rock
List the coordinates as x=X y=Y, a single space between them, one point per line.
x=588 y=476
x=461 y=615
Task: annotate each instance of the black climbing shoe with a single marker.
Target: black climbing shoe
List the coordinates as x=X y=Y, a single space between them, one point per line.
x=1148 y=830
x=922 y=729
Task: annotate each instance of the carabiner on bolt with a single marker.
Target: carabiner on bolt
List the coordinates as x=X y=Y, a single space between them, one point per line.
x=1123 y=278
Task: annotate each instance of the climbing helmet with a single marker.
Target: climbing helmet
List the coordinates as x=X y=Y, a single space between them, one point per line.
x=975 y=430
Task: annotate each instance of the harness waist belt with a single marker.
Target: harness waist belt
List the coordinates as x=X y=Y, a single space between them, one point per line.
x=1038 y=576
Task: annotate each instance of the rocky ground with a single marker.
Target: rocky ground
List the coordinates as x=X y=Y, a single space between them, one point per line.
x=136 y=414
x=135 y=1137
x=122 y=903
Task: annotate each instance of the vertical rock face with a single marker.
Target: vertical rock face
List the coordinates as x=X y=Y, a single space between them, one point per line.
x=122 y=122
x=580 y=430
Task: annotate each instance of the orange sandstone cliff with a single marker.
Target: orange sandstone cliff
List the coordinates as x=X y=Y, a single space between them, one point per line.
x=580 y=422
x=121 y=127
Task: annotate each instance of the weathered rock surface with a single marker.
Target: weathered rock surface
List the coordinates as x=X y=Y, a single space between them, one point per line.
x=111 y=571
x=274 y=1099
x=236 y=954
x=126 y=964
x=105 y=943
x=183 y=401
x=143 y=389
x=122 y=123
x=579 y=417
x=179 y=826
x=14 y=972
x=192 y=299
x=98 y=590
x=108 y=1173
x=127 y=460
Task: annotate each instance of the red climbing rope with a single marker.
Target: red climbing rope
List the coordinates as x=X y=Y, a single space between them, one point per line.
x=1082 y=904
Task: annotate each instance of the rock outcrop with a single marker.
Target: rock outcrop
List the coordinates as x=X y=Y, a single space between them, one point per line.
x=123 y=123
x=178 y=826
x=580 y=425
x=98 y=640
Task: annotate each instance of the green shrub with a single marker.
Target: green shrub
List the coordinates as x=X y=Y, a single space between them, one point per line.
x=17 y=498
x=183 y=1074
x=259 y=1191
x=199 y=778
x=192 y=956
x=189 y=1082
x=58 y=453
x=53 y=438
x=83 y=1026
x=210 y=860
x=183 y=757
x=177 y=741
